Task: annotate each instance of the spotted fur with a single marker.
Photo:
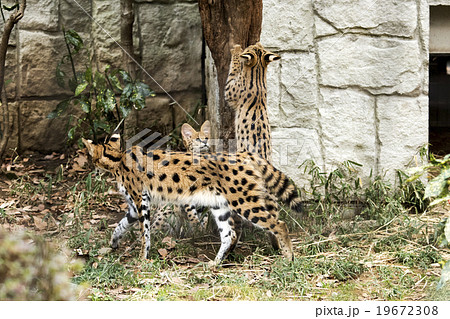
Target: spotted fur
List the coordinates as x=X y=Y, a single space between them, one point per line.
x=194 y=142
x=198 y=142
x=246 y=93
x=229 y=184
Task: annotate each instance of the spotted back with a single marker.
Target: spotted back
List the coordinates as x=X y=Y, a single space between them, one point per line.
x=196 y=141
x=226 y=183
x=246 y=92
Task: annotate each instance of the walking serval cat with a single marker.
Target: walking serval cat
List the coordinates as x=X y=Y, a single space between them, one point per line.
x=228 y=184
x=196 y=142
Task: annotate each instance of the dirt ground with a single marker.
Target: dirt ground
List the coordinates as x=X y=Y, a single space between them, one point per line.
x=55 y=196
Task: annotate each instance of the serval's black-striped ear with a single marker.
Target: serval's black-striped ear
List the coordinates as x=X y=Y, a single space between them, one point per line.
x=270 y=57
x=114 y=140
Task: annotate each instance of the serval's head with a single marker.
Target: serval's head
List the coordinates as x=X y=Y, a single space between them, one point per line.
x=105 y=155
x=196 y=141
x=256 y=55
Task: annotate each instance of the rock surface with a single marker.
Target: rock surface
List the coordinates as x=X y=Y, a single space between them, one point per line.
x=290 y=31
x=167 y=39
x=172 y=51
x=380 y=17
x=355 y=90
x=383 y=66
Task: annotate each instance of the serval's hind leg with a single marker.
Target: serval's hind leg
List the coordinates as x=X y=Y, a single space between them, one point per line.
x=228 y=236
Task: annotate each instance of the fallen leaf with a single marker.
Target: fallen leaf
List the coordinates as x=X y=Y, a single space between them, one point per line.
x=104 y=250
x=268 y=293
x=7 y=204
x=193 y=260
x=26 y=159
x=95 y=265
x=41 y=207
x=170 y=243
x=48 y=157
x=81 y=160
x=163 y=252
x=40 y=224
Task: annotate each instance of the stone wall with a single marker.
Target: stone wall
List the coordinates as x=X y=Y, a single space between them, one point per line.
x=167 y=38
x=352 y=82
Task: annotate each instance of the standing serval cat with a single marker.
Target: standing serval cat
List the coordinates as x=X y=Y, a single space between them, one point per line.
x=246 y=93
x=194 y=141
x=226 y=183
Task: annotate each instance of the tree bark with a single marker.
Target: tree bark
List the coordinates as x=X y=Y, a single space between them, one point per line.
x=6 y=125
x=126 y=36
x=226 y=23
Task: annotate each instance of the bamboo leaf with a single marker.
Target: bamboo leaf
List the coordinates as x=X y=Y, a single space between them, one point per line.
x=435 y=187
x=447 y=230
x=439 y=200
x=445 y=276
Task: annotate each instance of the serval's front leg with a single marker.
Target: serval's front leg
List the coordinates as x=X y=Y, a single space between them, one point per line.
x=125 y=223
x=233 y=85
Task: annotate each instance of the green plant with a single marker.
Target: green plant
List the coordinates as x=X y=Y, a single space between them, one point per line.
x=96 y=93
x=421 y=258
x=330 y=192
x=437 y=187
x=32 y=269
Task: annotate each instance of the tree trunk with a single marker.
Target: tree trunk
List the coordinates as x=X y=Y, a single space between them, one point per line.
x=6 y=124
x=126 y=36
x=226 y=23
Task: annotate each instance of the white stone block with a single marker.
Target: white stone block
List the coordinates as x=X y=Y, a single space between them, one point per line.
x=76 y=15
x=403 y=129
x=380 y=65
x=323 y=28
x=381 y=17
x=273 y=92
x=287 y=24
x=439 y=2
x=348 y=127
x=292 y=147
x=297 y=92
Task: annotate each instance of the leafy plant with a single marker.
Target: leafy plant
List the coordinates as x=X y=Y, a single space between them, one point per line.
x=105 y=98
x=437 y=188
x=345 y=194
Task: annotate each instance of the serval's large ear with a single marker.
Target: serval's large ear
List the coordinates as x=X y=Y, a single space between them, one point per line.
x=90 y=146
x=187 y=131
x=248 y=58
x=206 y=128
x=270 y=57
x=114 y=141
